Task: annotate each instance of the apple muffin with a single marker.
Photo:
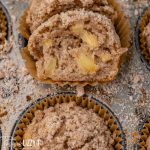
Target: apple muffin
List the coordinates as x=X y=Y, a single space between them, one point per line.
x=41 y=10
x=76 y=45
x=67 y=126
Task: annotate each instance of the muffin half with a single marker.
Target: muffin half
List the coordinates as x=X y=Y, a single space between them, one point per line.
x=76 y=46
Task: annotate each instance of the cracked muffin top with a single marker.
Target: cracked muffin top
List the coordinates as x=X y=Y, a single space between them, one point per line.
x=41 y=10
x=76 y=46
x=67 y=126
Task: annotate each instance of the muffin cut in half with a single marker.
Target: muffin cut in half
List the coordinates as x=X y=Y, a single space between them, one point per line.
x=76 y=45
x=41 y=10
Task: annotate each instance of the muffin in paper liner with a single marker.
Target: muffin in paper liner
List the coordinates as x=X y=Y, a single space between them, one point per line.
x=16 y=137
x=140 y=42
x=122 y=27
x=144 y=132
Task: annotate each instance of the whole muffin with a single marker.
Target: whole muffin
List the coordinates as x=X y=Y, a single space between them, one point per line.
x=76 y=46
x=41 y=10
x=67 y=126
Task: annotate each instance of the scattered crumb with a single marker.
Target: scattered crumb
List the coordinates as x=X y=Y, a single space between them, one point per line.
x=2 y=74
x=80 y=91
x=136 y=136
x=28 y=98
x=3 y=113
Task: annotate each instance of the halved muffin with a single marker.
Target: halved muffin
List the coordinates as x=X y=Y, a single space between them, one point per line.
x=76 y=45
x=40 y=11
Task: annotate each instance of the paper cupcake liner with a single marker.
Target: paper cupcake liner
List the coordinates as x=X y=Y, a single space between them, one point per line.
x=144 y=131
x=123 y=29
x=16 y=137
x=139 y=40
x=5 y=24
x=3 y=27
x=0 y=139
x=23 y=27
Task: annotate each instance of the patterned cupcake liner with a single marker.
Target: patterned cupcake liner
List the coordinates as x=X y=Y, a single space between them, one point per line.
x=123 y=29
x=16 y=137
x=0 y=139
x=5 y=24
x=144 y=131
x=139 y=40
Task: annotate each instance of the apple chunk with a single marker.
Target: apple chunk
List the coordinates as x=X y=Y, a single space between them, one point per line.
x=87 y=64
